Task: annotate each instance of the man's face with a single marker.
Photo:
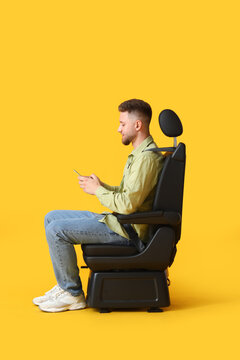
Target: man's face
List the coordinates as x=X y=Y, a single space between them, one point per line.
x=127 y=128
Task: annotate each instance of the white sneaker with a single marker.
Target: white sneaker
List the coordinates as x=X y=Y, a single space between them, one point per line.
x=63 y=301
x=40 y=299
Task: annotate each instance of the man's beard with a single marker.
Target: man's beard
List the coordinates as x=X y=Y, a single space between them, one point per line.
x=128 y=140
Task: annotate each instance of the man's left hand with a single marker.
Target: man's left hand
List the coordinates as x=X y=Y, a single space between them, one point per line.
x=89 y=184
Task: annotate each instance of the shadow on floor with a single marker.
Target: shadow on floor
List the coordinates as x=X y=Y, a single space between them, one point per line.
x=183 y=297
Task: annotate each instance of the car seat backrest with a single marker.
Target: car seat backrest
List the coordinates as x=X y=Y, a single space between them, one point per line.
x=169 y=190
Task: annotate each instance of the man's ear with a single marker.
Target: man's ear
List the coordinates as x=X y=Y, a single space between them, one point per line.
x=138 y=125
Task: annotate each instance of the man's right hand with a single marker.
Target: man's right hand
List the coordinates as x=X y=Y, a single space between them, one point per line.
x=89 y=184
x=101 y=183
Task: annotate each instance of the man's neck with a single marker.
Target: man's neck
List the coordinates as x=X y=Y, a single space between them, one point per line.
x=139 y=139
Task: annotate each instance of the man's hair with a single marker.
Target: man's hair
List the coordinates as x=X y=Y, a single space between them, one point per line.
x=139 y=108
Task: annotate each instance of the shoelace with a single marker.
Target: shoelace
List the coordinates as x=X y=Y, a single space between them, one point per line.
x=56 y=287
x=57 y=294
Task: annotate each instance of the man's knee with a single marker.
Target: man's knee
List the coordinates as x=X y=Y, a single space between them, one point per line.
x=49 y=217
x=54 y=230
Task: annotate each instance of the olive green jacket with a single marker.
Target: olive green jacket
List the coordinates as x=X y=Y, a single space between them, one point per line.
x=136 y=190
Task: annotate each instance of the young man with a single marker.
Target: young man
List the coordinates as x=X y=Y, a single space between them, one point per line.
x=66 y=228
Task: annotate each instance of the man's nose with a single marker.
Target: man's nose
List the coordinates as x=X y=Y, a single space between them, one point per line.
x=119 y=129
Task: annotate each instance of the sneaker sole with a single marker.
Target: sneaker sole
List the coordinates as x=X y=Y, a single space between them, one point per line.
x=71 y=307
x=39 y=303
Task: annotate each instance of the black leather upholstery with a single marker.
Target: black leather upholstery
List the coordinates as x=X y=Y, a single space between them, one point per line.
x=151 y=217
x=108 y=250
x=156 y=255
x=170 y=123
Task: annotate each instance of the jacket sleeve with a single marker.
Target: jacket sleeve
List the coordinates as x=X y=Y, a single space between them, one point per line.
x=111 y=188
x=139 y=182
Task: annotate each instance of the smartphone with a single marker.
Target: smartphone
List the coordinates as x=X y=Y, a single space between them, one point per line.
x=82 y=175
x=77 y=172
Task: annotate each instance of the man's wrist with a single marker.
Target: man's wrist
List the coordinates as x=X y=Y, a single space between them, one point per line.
x=100 y=190
x=98 y=186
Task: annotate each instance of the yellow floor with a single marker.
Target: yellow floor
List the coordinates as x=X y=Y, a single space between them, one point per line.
x=202 y=321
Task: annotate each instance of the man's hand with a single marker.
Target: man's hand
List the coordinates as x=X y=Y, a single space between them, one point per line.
x=89 y=184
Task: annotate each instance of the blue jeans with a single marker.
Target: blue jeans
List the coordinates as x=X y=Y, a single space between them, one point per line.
x=66 y=228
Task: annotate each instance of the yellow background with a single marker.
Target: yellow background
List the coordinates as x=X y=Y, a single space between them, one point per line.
x=65 y=67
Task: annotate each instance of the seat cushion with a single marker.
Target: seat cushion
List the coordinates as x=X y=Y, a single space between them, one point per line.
x=108 y=250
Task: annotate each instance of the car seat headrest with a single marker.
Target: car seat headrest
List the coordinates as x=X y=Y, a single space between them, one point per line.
x=170 y=123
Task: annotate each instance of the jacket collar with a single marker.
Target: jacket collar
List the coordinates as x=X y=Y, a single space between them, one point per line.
x=142 y=146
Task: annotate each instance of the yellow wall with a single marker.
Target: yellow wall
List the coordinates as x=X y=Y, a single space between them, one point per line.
x=65 y=67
